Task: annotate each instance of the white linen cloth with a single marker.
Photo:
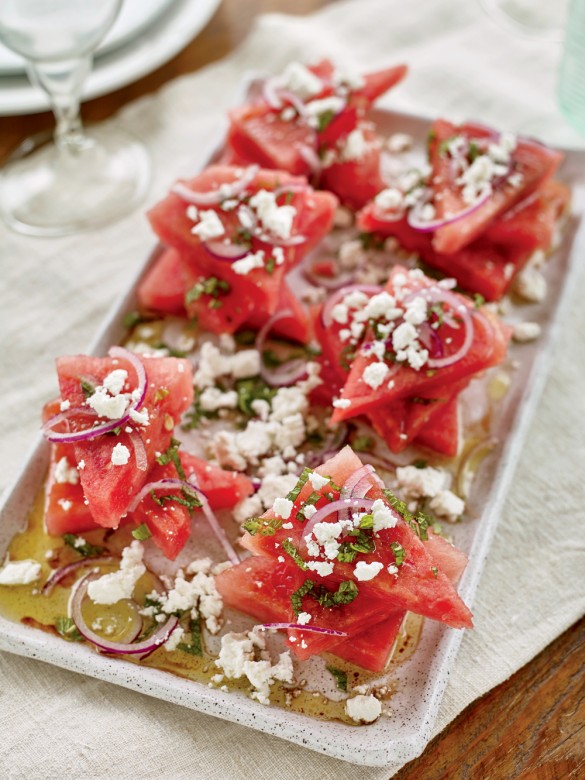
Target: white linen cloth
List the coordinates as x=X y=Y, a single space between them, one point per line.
x=56 y=724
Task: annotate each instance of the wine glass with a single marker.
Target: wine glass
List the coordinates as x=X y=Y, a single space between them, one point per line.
x=78 y=179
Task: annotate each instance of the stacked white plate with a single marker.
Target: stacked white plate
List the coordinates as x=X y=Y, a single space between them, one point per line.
x=146 y=34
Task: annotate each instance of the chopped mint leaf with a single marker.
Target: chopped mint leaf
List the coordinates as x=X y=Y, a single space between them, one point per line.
x=68 y=630
x=399 y=553
x=345 y=594
x=478 y=300
x=133 y=318
x=340 y=677
x=419 y=522
x=302 y=481
x=474 y=151
x=142 y=533
x=171 y=455
x=211 y=286
x=296 y=598
x=291 y=550
x=435 y=571
x=363 y=444
x=270 y=265
x=254 y=389
x=245 y=338
x=324 y=120
x=84 y=548
x=262 y=526
x=420 y=464
x=195 y=646
x=87 y=388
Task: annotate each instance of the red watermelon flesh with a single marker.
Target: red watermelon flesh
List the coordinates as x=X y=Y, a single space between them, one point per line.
x=417 y=587
x=111 y=488
x=372 y=648
x=164 y=286
x=533 y=161
x=488 y=348
x=441 y=433
x=294 y=327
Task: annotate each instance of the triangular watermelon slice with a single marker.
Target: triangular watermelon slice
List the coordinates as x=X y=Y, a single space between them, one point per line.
x=419 y=585
x=110 y=488
x=442 y=432
x=531 y=165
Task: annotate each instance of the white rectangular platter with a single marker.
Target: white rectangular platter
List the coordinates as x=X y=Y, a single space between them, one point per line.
x=420 y=682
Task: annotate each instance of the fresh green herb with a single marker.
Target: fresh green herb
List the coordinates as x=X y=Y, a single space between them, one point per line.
x=363 y=444
x=188 y=499
x=478 y=300
x=366 y=522
x=245 y=338
x=288 y=198
x=340 y=677
x=250 y=390
x=399 y=553
x=302 y=481
x=296 y=598
x=362 y=542
x=262 y=526
x=370 y=241
x=196 y=413
x=171 y=455
x=68 y=630
x=431 y=136
x=420 y=464
x=211 y=286
x=215 y=303
x=419 y=522
x=84 y=548
x=270 y=265
x=438 y=310
x=133 y=318
x=346 y=356
x=142 y=533
x=271 y=359
x=474 y=151
x=345 y=594
x=243 y=236
x=324 y=120
x=435 y=571
x=291 y=550
x=87 y=388
x=161 y=394
x=195 y=646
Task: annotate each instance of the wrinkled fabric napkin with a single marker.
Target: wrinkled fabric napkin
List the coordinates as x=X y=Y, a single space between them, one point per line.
x=56 y=724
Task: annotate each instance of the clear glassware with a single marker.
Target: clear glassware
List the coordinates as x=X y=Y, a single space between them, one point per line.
x=77 y=179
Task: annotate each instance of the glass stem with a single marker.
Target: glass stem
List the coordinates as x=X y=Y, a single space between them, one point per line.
x=63 y=82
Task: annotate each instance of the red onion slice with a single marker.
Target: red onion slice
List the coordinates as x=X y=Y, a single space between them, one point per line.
x=288 y=373
x=294 y=100
x=368 y=289
x=87 y=434
x=222 y=250
x=445 y=296
x=270 y=93
x=190 y=487
x=300 y=627
x=310 y=156
x=328 y=282
x=267 y=238
x=334 y=508
x=62 y=573
x=139 y=450
x=213 y=197
x=141 y=649
x=416 y=222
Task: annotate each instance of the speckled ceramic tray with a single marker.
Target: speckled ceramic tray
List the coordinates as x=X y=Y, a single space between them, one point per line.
x=420 y=682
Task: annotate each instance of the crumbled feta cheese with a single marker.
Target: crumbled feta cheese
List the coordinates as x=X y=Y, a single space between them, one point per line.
x=282 y=507
x=367 y=571
x=355 y=146
x=318 y=481
x=392 y=568
x=404 y=335
x=309 y=510
x=530 y=284
x=303 y=618
x=363 y=709
x=447 y=505
x=118 y=585
x=237 y=659
x=20 y=572
x=115 y=381
x=323 y=568
x=199 y=594
x=65 y=473
x=389 y=199
x=65 y=504
x=526 y=331
x=81 y=465
x=244 y=265
x=278 y=220
x=212 y=399
x=383 y=516
x=209 y=225
x=300 y=80
x=174 y=639
x=64 y=405
x=112 y=407
x=420 y=483
x=399 y=142
x=317 y=108
x=375 y=374
x=341 y=403
x=120 y=455
x=244 y=364
x=140 y=417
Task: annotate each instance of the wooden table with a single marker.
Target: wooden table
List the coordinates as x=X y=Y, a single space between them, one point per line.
x=533 y=725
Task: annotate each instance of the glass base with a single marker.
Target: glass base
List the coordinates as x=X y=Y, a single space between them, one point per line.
x=46 y=190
